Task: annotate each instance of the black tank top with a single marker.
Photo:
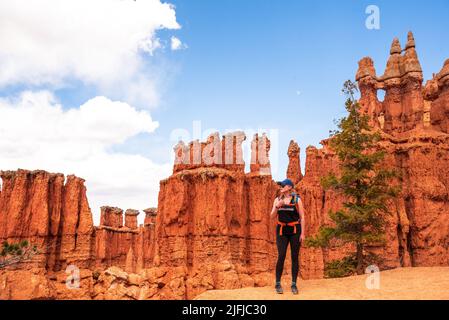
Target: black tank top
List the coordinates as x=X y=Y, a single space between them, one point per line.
x=289 y=212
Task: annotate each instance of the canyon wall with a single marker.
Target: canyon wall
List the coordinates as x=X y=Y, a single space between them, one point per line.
x=53 y=214
x=49 y=212
x=213 y=217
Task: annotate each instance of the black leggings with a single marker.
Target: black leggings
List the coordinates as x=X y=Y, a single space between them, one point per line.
x=282 y=244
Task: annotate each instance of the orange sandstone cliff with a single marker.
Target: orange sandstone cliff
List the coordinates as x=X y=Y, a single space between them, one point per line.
x=212 y=216
x=212 y=228
x=53 y=213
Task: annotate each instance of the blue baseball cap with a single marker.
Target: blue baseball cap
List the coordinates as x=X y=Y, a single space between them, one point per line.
x=286 y=182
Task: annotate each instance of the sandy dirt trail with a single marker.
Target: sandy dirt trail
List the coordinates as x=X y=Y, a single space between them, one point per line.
x=402 y=283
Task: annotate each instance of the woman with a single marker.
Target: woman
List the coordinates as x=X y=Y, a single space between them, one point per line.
x=290 y=211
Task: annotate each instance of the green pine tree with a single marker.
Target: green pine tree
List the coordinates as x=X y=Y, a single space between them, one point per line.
x=13 y=253
x=365 y=184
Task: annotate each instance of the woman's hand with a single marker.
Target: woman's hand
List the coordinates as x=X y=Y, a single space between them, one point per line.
x=275 y=207
x=279 y=203
x=303 y=237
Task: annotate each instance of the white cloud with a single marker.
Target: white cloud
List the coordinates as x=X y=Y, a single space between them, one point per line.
x=98 y=42
x=37 y=133
x=177 y=44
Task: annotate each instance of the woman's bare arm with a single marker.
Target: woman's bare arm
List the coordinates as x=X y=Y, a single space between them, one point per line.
x=275 y=207
x=303 y=221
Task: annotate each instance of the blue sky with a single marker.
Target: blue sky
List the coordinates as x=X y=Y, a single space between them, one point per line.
x=244 y=64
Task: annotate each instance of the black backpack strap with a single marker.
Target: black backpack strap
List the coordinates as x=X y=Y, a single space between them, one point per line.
x=295 y=198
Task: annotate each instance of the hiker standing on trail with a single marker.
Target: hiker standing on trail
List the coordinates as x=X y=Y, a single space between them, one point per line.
x=290 y=214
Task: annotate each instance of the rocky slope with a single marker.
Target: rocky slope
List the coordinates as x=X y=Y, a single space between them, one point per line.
x=421 y=283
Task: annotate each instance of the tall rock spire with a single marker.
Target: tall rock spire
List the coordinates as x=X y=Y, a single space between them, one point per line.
x=393 y=69
x=294 y=165
x=410 y=60
x=395 y=47
x=366 y=69
x=410 y=41
x=443 y=75
x=368 y=85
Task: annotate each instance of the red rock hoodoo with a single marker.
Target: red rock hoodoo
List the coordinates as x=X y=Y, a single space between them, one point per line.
x=294 y=164
x=212 y=228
